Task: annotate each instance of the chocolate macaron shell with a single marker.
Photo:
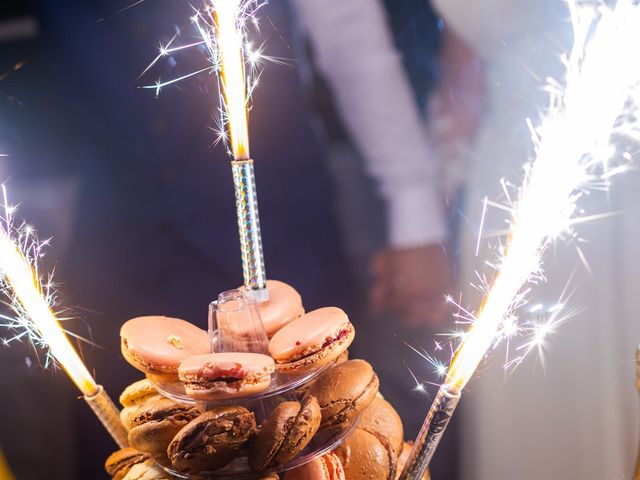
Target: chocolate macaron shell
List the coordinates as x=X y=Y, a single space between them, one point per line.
x=344 y=391
x=156 y=345
x=212 y=440
x=301 y=431
x=365 y=457
x=380 y=418
x=121 y=461
x=313 y=340
x=156 y=423
x=271 y=434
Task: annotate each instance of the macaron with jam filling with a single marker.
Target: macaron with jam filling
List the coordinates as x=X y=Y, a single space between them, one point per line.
x=225 y=375
x=283 y=306
x=156 y=345
x=311 y=341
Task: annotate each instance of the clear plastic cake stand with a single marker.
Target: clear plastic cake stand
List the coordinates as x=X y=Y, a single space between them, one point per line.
x=230 y=318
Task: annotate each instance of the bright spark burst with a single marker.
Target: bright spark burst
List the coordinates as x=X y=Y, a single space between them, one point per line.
x=32 y=299
x=575 y=147
x=223 y=28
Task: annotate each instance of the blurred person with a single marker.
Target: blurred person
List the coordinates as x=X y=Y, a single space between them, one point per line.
x=377 y=64
x=573 y=413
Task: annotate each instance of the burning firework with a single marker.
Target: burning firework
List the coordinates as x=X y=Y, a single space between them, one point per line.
x=32 y=302
x=573 y=154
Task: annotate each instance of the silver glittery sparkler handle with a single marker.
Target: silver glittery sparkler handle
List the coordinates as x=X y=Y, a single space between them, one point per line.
x=244 y=183
x=108 y=414
x=430 y=434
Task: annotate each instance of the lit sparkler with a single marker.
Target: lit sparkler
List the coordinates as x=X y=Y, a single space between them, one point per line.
x=573 y=149
x=223 y=29
x=225 y=39
x=33 y=305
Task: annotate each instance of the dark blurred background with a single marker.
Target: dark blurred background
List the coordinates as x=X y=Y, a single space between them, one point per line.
x=139 y=201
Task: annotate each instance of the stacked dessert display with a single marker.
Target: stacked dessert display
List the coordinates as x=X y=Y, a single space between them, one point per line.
x=268 y=391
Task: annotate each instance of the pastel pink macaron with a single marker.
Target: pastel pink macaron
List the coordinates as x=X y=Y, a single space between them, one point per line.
x=225 y=375
x=284 y=305
x=156 y=345
x=312 y=340
x=326 y=467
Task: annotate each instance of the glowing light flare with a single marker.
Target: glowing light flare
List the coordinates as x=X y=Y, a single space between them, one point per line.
x=572 y=153
x=23 y=286
x=227 y=17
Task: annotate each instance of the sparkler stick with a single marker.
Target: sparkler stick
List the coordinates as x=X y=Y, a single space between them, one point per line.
x=602 y=76
x=36 y=317
x=227 y=45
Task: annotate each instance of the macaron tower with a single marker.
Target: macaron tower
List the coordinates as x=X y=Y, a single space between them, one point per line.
x=267 y=392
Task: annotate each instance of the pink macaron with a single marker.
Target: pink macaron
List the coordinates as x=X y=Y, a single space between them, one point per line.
x=225 y=375
x=312 y=340
x=284 y=305
x=156 y=345
x=326 y=467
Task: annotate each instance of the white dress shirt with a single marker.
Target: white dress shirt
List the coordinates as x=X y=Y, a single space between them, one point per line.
x=354 y=50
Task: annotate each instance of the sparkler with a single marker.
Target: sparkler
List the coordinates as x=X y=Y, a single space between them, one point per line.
x=572 y=147
x=222 y=26
x=32 y=302
x=225 y=39
x=226 y=42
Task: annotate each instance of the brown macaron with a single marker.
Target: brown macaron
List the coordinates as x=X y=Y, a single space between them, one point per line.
x=382 y=420
x=212 y=440
x=285 y=433
x=156 y=422
x=344 y=391
x=121 y=461
x=365 y=457
x=402 y=460
x=133 y=396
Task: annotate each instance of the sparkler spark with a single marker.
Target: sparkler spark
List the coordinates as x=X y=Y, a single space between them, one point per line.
x=32 y=300
x=573 y=154
x=223 y=30
x=574 y=148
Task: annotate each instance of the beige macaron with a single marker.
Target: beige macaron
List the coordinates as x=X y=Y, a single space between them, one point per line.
x=148 y=470
x=133 y=396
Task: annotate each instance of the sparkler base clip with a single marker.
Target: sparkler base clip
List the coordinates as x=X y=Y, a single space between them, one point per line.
x=244 y=183
x=108 y=414
x=431 y=432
